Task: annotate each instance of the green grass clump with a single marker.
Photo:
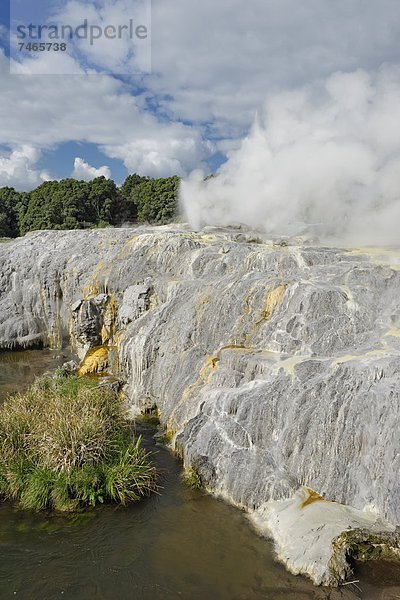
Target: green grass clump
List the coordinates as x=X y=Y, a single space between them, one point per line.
x=192 y=479
x=66 y=443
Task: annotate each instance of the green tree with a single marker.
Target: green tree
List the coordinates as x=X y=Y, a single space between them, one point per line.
x=129 y=191
x=72 y=204
x=57 y=205
x=152 y=200
x=106 y=200
x=131 y=182
x=10 y=204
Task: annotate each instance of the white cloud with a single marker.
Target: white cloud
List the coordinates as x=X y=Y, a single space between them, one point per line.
x=121 y=54
x=17 y=169
x=162 y=154
x=82 y=170
x=216 y=62
x=213 y=66
x=50 y=110
x=100 y=36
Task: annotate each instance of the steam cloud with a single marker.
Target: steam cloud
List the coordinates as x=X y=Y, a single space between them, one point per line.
x=322 y=161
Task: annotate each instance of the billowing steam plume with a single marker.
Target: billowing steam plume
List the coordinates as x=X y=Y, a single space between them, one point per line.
x=324 y=161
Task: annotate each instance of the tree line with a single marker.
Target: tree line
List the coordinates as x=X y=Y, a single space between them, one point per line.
x=72 y=204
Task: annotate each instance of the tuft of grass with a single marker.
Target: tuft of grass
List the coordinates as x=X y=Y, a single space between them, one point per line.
x=37 y=488
x=67 y=443
x=120 y=485
x=191 y=478
x=167 y=437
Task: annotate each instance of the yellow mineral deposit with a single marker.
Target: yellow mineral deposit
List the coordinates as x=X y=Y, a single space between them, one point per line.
x=95 y=361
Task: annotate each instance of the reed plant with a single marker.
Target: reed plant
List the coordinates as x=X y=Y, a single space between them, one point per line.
x=66 y=443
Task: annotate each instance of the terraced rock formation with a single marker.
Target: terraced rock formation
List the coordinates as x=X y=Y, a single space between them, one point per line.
x=274 y=364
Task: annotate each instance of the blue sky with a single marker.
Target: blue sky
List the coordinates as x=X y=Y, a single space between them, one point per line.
x=59 y=160
x=213 y=68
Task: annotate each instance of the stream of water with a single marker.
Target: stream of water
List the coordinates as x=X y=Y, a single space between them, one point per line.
x=181 y=544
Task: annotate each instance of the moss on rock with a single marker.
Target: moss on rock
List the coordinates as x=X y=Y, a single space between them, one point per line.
x=362 y=545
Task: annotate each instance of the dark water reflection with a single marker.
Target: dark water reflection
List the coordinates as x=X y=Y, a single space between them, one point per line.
x=18 y=369
x=182 y=544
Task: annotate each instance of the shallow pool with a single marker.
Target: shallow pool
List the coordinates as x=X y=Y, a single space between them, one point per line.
x=180 y=544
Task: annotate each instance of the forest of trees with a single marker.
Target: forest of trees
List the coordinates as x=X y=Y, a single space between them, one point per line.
x=72 y=204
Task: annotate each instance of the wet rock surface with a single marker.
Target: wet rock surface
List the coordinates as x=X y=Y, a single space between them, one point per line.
x=273 y=365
